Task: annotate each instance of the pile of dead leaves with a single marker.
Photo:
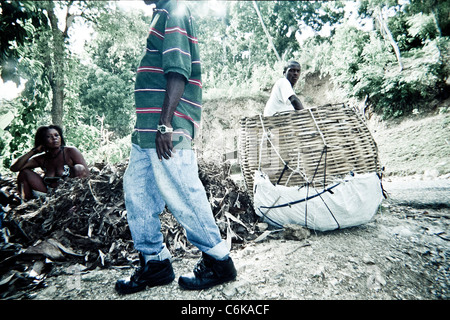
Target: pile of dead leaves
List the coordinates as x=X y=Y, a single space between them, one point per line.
x=84 y=222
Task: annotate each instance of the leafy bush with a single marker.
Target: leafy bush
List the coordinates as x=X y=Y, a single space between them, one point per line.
x=364 y=66
x=393 y=92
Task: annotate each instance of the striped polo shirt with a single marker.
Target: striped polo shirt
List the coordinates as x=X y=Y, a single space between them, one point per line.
x=172 y=46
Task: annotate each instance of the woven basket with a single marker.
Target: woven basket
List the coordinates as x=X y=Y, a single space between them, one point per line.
x=311 y=146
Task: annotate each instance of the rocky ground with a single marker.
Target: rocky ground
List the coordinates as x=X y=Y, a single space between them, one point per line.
x=403 y=254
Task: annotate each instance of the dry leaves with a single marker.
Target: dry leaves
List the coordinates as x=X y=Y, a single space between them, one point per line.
x=84 y=222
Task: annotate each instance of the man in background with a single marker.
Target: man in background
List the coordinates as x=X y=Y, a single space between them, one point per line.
x=282 y=97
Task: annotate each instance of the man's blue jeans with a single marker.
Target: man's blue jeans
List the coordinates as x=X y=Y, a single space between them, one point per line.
x=149 y=184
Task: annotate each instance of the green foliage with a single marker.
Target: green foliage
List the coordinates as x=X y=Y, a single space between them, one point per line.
x=84 y=137
x=107 y=90
x=111 y=151
x=364 y=65
x=235 y=50
x=237 y=60
x=422 y=26
x=439 y=10
x=347 y=48
x=18 y=23
x=30 y=115
x=287 y=17
x=109 y=96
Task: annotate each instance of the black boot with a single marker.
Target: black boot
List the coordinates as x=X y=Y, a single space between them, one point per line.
x=150 y=274
x=208 y=272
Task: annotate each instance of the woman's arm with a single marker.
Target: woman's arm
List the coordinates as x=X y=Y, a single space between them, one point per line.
x=80 y=168
x=27 y=161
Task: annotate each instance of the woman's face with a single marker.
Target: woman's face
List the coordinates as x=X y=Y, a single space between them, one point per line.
x=52 y=139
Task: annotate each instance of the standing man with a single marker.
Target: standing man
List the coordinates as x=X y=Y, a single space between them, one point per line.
x=282 y=97
x=163 y=168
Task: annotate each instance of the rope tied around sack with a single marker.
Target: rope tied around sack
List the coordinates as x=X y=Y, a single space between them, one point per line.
x=266 y=136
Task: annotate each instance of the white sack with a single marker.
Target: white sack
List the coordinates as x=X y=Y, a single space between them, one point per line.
x=354 y=201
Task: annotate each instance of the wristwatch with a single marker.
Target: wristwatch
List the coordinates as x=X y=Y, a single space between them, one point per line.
x=164 y=129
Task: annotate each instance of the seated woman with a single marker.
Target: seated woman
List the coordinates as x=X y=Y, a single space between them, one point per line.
x=56 y=160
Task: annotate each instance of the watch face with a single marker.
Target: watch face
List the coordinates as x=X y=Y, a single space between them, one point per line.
x=163 y=129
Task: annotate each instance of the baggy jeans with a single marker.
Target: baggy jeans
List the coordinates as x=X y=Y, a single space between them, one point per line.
x=150 y=184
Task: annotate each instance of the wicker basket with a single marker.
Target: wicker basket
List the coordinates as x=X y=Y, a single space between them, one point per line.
x=309 y=146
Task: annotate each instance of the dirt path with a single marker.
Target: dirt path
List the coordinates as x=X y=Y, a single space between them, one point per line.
x=402 y=254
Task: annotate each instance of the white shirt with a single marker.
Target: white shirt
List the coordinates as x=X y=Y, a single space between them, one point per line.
x=279 y=98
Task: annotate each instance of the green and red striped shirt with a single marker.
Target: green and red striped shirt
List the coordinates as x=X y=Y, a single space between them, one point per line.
x=172 y=46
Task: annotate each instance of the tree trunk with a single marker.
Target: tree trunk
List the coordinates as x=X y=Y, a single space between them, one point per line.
x=384 y=27
x=57 y=103
x=56 y=72
x=269 y=38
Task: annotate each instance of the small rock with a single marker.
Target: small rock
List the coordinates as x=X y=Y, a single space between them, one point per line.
x=319 y=273
x=375 y=280
x=262 y=226
x=368 y=260
x=431 y=173
x=230 y=290
x=295 y=232
x=402 y=231
x=248 y=251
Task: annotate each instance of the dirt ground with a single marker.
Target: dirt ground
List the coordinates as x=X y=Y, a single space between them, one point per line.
x=403 y=254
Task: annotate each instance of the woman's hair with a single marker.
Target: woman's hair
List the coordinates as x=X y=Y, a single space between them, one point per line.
x=39 y=138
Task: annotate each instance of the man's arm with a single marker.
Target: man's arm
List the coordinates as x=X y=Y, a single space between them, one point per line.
x=296 y=103
x=174 y=90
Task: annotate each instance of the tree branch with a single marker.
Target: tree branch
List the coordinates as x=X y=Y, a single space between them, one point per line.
x=380 y=17
x=269 y=38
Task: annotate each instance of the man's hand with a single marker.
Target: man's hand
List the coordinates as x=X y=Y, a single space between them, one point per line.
x=164 y=145
x=296 y=103
x=174 y=90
